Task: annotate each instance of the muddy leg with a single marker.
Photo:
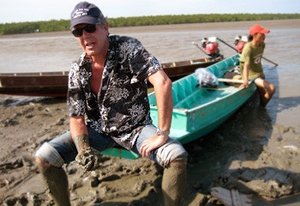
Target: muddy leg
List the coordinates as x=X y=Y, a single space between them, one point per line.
x=57 y=181
x=174 y=183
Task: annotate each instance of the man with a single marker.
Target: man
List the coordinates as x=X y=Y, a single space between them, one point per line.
x=240 y=42
x=108 y=105
x=250 y=63
x=210 y=47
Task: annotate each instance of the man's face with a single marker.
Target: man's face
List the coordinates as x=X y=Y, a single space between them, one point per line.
x=259 y=37
x=92 y=38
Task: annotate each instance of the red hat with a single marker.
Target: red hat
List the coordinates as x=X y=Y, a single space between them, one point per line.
x=256 y=28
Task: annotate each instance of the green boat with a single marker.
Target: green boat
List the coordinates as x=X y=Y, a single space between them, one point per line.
x=198 y=110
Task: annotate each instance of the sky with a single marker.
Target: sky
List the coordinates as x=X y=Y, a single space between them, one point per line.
x=43 y=10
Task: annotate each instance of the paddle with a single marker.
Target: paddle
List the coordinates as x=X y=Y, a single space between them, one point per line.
x=197 y=45
x=275 y=64
x=239 y=81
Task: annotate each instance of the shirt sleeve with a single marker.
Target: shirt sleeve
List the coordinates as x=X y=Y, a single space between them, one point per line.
x=141 y=62
x=75 y=95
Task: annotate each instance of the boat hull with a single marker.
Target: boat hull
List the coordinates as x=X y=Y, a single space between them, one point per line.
x=199 y=110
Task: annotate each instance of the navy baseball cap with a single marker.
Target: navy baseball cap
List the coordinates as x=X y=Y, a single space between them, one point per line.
x=86 y=13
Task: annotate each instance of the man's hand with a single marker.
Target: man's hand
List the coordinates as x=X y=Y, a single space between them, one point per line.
x=89 y=159
x=245 y=84
x=152 y=143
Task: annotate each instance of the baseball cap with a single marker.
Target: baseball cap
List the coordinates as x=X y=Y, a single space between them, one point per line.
x=256 y=28
x=86 y=13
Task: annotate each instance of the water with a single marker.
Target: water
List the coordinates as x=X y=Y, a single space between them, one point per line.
x=56 y=51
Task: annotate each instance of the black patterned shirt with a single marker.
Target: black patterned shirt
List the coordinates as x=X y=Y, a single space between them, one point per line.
x=120 y=109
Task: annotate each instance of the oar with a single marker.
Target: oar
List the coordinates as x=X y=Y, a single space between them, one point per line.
x=239 y=81
x=207 y=78
x=197 y=45
x=236 y=51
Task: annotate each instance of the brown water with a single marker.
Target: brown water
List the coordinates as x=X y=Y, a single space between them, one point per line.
x=56 y=51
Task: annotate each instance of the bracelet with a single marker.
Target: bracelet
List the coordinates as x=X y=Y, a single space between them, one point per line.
x=164 y=133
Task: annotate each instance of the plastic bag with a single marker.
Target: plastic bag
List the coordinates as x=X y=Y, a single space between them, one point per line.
x=206 y=78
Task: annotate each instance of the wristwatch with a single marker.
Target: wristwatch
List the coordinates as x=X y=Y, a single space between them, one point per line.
x=164 y=133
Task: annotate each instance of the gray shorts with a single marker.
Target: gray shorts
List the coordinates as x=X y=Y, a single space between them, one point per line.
x=62 y=149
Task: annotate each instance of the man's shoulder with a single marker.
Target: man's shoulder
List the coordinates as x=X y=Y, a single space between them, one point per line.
x=248 y=48
x=123 y=39
x=125 y=46
x=120 y=37
x=248 y=45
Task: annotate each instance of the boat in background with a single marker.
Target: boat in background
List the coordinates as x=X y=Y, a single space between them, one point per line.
x=54 y=84
x=197 y=110
x=179 y=69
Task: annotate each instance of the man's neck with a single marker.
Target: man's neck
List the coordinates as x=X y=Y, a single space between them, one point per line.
x=101 y=58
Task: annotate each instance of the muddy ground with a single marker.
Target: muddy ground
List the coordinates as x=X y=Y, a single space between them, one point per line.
x=247 y=154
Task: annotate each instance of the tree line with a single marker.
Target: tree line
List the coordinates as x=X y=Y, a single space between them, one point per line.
x=64 y=25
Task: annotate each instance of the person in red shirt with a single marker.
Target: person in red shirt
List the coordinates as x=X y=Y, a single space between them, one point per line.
x=210 y=47
x=240 y=42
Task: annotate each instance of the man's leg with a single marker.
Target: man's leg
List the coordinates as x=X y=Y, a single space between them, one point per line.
x=265 y=89
x=173 y=157
x=51 y=156
x=57 y=181
x=174 y=182
x=50 y=162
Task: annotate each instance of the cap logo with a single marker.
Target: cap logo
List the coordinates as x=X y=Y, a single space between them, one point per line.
x=80 y=12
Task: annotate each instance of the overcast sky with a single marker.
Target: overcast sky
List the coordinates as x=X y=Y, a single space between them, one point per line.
x=37 y=10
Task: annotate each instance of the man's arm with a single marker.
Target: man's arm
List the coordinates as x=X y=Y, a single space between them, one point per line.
x=79 y=133
x=245 y=75
x=163 y=92
x=86 y=157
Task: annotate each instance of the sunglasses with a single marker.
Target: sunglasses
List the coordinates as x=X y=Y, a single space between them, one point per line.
x=89 y=28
